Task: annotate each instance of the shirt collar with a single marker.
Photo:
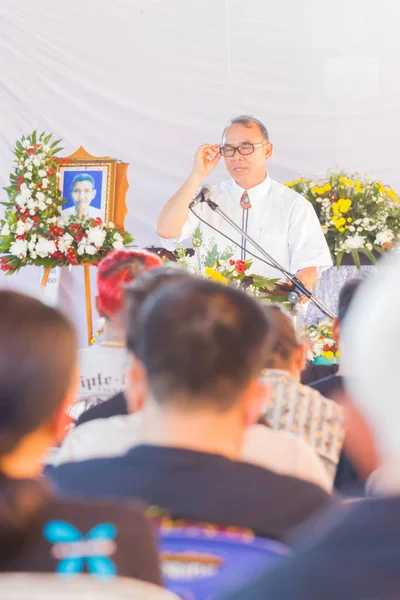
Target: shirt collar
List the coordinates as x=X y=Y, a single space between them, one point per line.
x=257 y=192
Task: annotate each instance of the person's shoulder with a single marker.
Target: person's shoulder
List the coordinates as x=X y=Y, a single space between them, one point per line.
x=83 y=475
x=285 y=194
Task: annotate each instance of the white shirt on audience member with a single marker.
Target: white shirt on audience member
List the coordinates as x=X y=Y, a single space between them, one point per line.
x=276 y=450
x=280 y=220
x=103 y=371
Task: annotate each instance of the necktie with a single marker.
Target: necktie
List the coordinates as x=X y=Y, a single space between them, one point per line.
x=245 y=204
x=245 y=201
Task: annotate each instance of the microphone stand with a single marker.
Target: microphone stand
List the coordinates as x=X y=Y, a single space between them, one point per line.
x=299 y=288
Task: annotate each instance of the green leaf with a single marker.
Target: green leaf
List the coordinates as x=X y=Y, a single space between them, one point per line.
x=34 y=137
x=339 y=258
x=211 y=257
x=369 y=255
x=356 y=258
x=226 y=256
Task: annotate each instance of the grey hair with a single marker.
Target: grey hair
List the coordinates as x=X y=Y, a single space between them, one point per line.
x=248 y=121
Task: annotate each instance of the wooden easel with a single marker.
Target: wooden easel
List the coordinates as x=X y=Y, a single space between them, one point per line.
x=88 y=296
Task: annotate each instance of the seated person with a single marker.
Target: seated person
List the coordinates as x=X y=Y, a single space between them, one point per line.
x=355 y=553
x=104 y=366
x=197 y=353
x=294 y=407
x=38 y=532
x=280 y=451
x=347 y=480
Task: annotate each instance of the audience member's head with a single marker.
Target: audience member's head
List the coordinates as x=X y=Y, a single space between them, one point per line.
x=287 y=352
x=346 y=297
x=200 y=348
x=118 y=268
x=370 y=356
x=38 y=380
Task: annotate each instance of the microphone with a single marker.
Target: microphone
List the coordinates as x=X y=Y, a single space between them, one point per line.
x=203 y=195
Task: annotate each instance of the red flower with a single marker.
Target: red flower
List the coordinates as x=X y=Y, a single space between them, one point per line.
x=37 y=145
x=231 y=262
x=72 y=256
x=58 y=255
x=56 y=231
x=50 y=172
x=20 y=181
x=241 y=266
x=21 y=237
x=5 y=265
x=39 y=186
x=30 y=151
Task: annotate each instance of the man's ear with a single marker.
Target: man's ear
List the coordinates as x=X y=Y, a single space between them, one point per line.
x=336 y=330
x=300 y=357
x=269 y=148
x=256 y=398
x=136 y=390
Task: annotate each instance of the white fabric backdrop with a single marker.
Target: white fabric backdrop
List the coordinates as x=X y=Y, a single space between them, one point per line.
x=148 y=81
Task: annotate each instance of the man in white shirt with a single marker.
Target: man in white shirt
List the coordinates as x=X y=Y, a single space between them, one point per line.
x=280 y=220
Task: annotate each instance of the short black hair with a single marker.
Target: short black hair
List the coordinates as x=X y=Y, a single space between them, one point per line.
x=83 y=177
x=248 y=121
x=201 y=343
x=142 y=288
x=346 y=295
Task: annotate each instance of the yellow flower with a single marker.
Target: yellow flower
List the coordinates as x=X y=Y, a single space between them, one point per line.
x=327 y=187
x=349 y=220
x=289 y=183
x=216 y=276
x=337 y=353
x=341 y=229
x=330 y=355
x=344 y=204
x=336 y=209
x=338 y=222
x=393 y=196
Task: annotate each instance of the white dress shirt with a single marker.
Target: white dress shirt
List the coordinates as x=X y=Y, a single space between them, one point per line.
x=280 y=220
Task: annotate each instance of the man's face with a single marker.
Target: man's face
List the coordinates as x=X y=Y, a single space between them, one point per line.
x=247 y=170
x=82 y=194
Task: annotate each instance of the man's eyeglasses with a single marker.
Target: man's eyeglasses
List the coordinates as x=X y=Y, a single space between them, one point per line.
x=243 y=149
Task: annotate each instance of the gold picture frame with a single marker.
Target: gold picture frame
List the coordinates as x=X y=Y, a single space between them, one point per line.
x=93 y=186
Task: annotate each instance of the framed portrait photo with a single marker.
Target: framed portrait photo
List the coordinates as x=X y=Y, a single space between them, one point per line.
x=88 y=186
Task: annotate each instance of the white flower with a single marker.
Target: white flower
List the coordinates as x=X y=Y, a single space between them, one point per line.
x=26 y=144
x=36 y=161
x=32 y=186
x=118 y=245
x=48 y=200
x=45 y=183
x=30 y=167
x=368 y=246
x=33 y=254
x=351 y=228
x=19 y=248
x=6 y=229
x=354 y=242
x=81 y=249
x=42 y=205
x=28 y=175
x=111 y=225
x=384 y=237
x=31 y=204
x=65 y=242
x=96 y=236
x=20 y=230
x=45 y=247
x=42 y=173
x=90 y=250
x=28 y=161
x=46 y=148
x=40 y=196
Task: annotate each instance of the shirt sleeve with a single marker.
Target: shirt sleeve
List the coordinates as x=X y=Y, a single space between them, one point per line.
x=307 y=243
x=188 y=229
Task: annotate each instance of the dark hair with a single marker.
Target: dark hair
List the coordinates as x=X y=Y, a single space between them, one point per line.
x=142 y=288
x=346 y=295
x=285 y=340
x=248 y=121
x=201 y=343
x=37 y=360
x=83 y=177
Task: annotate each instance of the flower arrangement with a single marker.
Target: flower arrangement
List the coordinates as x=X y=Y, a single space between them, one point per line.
x=32 y=232
x=357 y=213
x=322 y=347
x=221 y=267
